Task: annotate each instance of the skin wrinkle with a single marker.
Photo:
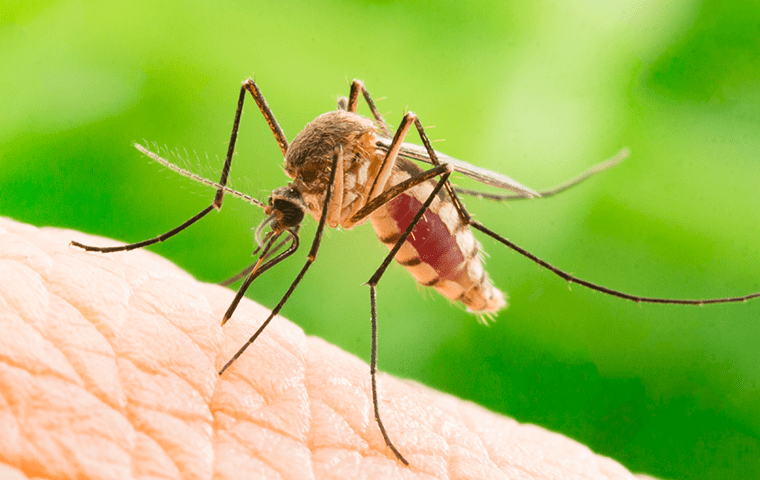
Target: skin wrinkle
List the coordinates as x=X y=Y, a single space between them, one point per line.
x=132 y=406
x=81 y=304
x=166 y=445
x=265 y=399
x=142 y=416
x=163 y=449
x=263 y=411
x=338 y=380
x=147 y=445
x=347 y=424
x=82 y=366
x=266 y=424
x=57 y=373
x=152 y=309
x=154 y=406
x=155 y=403
x=45 y=335
x=144 y=399
x=281 y=469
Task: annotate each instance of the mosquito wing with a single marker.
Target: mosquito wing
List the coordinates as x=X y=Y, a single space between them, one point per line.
x=485 y=176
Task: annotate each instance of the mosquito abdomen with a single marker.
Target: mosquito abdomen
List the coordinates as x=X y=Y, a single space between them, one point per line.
x=441 y=251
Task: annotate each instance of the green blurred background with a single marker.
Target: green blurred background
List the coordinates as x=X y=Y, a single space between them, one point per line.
x=536 y=90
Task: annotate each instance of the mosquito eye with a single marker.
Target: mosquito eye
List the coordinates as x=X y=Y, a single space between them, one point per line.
x=292 y=214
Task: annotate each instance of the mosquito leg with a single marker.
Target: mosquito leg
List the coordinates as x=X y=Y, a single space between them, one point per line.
x=150 y=241
x=463 y=213
x=396 y=190
x=257 y=269
x=373 y=281
x=377 y=194
x=261 y=102
x=218 y=198
x=389 y=161
x=599 y=288
x=353 y=103
x=609 y=163
x=337 y=157
x=467 y=219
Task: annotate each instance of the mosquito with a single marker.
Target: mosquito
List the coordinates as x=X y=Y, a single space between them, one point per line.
x=347 y=169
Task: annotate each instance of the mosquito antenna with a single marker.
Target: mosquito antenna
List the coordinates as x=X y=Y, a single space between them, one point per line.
x=204 y=181
x=588 y=173
x=599 y=288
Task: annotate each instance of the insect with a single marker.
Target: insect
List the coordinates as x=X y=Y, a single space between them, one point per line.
x=347 y=169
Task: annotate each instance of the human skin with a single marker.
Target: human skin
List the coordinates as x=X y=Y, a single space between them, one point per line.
x=108 y=369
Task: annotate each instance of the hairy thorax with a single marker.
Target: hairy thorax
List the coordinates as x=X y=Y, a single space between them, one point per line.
x=310 y=157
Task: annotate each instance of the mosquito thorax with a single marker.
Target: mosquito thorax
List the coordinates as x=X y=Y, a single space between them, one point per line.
x=310 y=155
x=286 y=206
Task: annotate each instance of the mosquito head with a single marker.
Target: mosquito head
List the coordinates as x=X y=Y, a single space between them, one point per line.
x=285 y=210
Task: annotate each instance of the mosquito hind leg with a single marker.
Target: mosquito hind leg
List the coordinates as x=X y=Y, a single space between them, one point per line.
x=468 y=220
x=353 y=103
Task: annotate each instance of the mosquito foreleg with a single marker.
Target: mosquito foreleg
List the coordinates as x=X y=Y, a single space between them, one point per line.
x=216 y=204
x=258 y=268
x=261 y=102
x=337 y=157
x=150 y=241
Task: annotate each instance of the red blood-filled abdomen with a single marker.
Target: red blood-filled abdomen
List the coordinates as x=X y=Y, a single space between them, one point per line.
x=440 y=252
